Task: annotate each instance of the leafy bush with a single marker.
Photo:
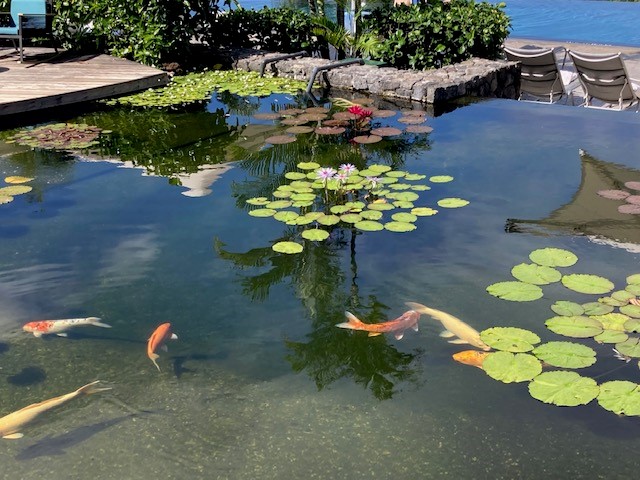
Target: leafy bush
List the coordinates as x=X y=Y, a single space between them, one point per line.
x=272 y=29
x=434 y=34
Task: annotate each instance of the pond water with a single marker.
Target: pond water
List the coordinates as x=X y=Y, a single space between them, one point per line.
x=260 y=383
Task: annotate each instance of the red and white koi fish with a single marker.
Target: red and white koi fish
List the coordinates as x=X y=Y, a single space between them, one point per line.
x=157 y=341
x=408 y=319
x=10 y=425
x=59 y=327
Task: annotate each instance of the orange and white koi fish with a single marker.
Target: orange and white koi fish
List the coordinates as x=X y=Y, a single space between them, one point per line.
x=59 y=327
x=454 y=327
x=408 y=319
x=470 y=357
x=157 y=341
x=10 y=425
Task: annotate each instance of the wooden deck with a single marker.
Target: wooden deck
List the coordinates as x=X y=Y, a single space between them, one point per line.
x=48 y=80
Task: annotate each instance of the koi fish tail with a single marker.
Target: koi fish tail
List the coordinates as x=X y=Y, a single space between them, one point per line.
x=95 y=321
x=91 y=388
x=154 y=357
x=352 y=322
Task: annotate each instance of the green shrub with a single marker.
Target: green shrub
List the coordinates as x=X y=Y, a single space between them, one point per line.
x=273 y=29
x=434 y=34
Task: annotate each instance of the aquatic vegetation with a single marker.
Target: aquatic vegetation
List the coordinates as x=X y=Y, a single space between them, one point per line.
x=590 y=321
x=59 y=136
x=14 y=188
x=197 y=87
x=632 y=200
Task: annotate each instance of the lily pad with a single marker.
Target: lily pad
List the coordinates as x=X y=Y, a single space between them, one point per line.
x=424 y=211
x=280 y=139
x=371 y=214
x=369 y=225
x=5 y=199
x=620 y=397
x=414 y=176
x=611 y=336
x=565 y=389
x=510 y=339
x=17 y=179
x=399 y=226
x=630 y=347
x=553 y=257
x=287 y=247
x=508 y=367
x=587 y=283
x=262 y=212
x=419 y=129
x=631 y=310
x=596 y=308
x=404 y=217
x=567 y=309
x=328 y=220
x=295 y=175
x=453 y=202
x=634 y=279
x=536 y=274
x=441 y=179
x=406 y=196
x=566 y=354
x=386 y=131
x=315 y=234
x=351 y=218
x=612 y=321
x=515 y=291
x=278 y=204
x=613 y=194
x=308 y=166
x=14 y=190
x=377 y=168
x=380 y=206
x=575 y=326
x=285 y=216
x=622 y=296
x=258 y=201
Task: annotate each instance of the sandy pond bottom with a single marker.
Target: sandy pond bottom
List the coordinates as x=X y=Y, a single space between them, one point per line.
x=235 y=399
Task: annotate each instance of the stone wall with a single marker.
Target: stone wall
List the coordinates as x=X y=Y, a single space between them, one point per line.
x=474 y=77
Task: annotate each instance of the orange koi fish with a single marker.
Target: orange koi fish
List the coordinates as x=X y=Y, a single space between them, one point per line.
x=157 y=341
x=470 y=357
x=408 y=319
x=10 y=425
x=59 y=327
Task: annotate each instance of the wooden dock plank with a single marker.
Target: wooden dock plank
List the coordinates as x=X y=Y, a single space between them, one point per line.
x=47 y=80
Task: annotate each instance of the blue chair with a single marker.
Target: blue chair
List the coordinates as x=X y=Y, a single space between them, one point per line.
x=28 y=18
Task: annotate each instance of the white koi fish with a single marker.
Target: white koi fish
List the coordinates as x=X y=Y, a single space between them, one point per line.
x=454 y=327
x=59 y=327
x=10 y=425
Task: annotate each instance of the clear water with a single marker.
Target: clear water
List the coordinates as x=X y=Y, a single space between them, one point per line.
x=261 y=384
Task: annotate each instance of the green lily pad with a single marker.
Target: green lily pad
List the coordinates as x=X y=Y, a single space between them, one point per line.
x=622 y=296
x=355 y=206
x=420 y=188
x=553 y=257
x=620 y=397
x=404 y=217
x=371 y=214
x=339 y=209
x=314 y=215
x=351 y=217
x=575 y=326
x=17 y=179
x=308 y=166
x=565 y=389
x=596 y=308
x=515 y=291
x=612 y=321
x=402 y=204
x=5 y=199
x=315 y=234
x=369 y=225
x=303 y=197
x=630 y=347
x=634 y=279
x=567 y=309
x=418 y=176
x=510 y=339
x=508 y=367
x=379 y=168
x=566 y=354
x=328 y=220
x=399 y=226
x=400 y=186
x=303 y=220
x=453 y=202
x=396 y=173
x=423 y=211
x=287 y=247
x=633 y=288
x=282 y=194
x=285 y=216
x=262 y=212
x=536 y=274
x=278 y=204
x=258 y=201
x=380 y=206
x=611 y=336
x=612 y=302
x=295 y=175
x=587 y=283
x=632 y=325
x=441 y=179
x=14 y=190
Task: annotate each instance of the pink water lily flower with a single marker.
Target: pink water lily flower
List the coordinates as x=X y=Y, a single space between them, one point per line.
x=348 y=168
x=326 y=173
x=374 y=181
x=358 y=110
x=341 y=177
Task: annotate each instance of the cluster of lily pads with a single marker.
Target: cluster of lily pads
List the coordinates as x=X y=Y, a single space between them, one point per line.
x=354 y=122
x=59 y=136
x=321 y=198
x=14 y=188
x=632 y=200
x=197 y=88
x=520 y=357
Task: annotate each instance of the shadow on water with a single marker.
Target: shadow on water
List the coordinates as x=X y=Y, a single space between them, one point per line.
x=178 y=362
x=28 y=376
x=59 y=444
x=4 y=347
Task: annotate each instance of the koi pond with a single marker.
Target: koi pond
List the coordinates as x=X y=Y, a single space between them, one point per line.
x=252 y=236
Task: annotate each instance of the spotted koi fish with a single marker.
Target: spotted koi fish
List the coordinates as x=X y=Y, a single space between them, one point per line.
x=408 y=319
x=59 y=327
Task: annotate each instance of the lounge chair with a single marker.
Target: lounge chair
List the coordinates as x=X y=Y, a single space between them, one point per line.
x=540 y=75
x=605 y=78
x=28 y=18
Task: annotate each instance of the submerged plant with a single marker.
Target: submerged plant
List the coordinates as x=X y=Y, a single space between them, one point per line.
x=59 y=136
